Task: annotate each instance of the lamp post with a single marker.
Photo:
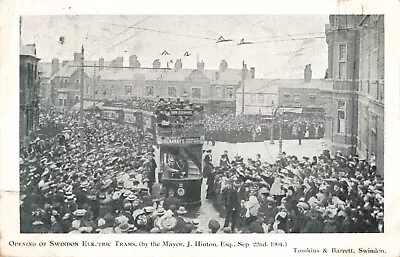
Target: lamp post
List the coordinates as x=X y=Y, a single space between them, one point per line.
x=280 y=139
x=272 y=126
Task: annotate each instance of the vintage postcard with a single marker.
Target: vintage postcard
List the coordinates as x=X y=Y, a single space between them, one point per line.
x=177 y=127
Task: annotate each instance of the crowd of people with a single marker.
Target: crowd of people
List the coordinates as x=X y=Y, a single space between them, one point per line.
x=324 y=194
x=101 y=179
x=70 y=187
x=233 y=128
x=135 y=102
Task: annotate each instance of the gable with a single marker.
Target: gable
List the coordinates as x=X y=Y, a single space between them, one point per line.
x=197 y=75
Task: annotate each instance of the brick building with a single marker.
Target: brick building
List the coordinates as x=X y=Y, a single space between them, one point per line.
x=355 y=119
x=263 y=96
x=28 y=92
x=214 y=88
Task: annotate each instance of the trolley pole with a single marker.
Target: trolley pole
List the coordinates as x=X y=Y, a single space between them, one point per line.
x=81 y=107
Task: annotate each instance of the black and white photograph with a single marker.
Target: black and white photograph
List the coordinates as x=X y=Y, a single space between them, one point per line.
x=201 y=124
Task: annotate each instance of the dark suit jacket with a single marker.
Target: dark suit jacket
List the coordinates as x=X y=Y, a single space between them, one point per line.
x=230 y=198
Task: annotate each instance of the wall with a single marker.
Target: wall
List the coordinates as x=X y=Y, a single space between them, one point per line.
x=299 y=97
x=371 y=92
x=29 y=97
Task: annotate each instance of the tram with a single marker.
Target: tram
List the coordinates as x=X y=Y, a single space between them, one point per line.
x=181 y=151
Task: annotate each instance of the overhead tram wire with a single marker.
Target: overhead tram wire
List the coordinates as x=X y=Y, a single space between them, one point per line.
x=164 y=32
x=120 y=33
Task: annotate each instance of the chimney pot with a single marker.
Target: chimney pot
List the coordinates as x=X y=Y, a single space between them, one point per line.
x=307 y=73
x=55 y=66
x=223 y=66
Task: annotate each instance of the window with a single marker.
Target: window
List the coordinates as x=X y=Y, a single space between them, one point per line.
x=286 y=96
x=342 y=70
x=343 y=53
x=218 y=92
x=128 y=90
x=341 y=116
x=342 y=61
x=296 y=97
x=112 y=90
x=171 y=91
x=62 y=102
x=312 y=99
x=196 y=92
x=261 y=98
x=149 y=91
x=252 y=98
x=229 y=92
x=104 y=90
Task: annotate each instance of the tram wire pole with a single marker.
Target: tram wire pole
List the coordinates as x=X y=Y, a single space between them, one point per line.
x=94 y=90
x=81 y=105
x=271 y=141
x=243 y=78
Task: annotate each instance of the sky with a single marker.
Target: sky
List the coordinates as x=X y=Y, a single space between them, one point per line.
x=281 y=44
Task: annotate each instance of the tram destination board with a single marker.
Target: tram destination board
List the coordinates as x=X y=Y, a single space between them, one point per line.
x=180 y=140
x=181 y=112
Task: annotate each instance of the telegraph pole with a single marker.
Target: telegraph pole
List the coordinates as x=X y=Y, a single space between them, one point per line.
x=243 y=78
x=81 y=107
x=94 y=84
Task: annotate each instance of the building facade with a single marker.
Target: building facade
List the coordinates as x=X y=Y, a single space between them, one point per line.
x=355 y=122
x=214 y=88
x=371 y=88
x=28 y=93
x=264 y=96
x=343 y=65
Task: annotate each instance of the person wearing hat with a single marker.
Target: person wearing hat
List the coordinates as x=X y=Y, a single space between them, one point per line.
x=181 y=225
x=313 y=222
x=207 y=164
x=231 y=202
x=224 y=160
x=151 y=168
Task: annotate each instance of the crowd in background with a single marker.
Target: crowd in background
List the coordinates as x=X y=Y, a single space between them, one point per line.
x=324 y=194
x=233 y=128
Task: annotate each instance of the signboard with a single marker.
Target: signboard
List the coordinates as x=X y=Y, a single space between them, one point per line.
x=180 y=140
x=181 y=112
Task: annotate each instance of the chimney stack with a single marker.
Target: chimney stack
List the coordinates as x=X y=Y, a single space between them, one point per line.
x=245 y=71
x=253 y=72
x=55 y=66
x=178 y=64
x=101 y=63
x=133 y=62
x=223 y=66
x=200 y=65
x=156 y=64
x=307 y=73
x=77 y=57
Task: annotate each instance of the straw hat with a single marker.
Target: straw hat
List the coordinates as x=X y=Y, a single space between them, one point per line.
x=181 y=210
x=169 y=223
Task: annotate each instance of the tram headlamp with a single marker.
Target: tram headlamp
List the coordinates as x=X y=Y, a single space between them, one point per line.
x=181 y=191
